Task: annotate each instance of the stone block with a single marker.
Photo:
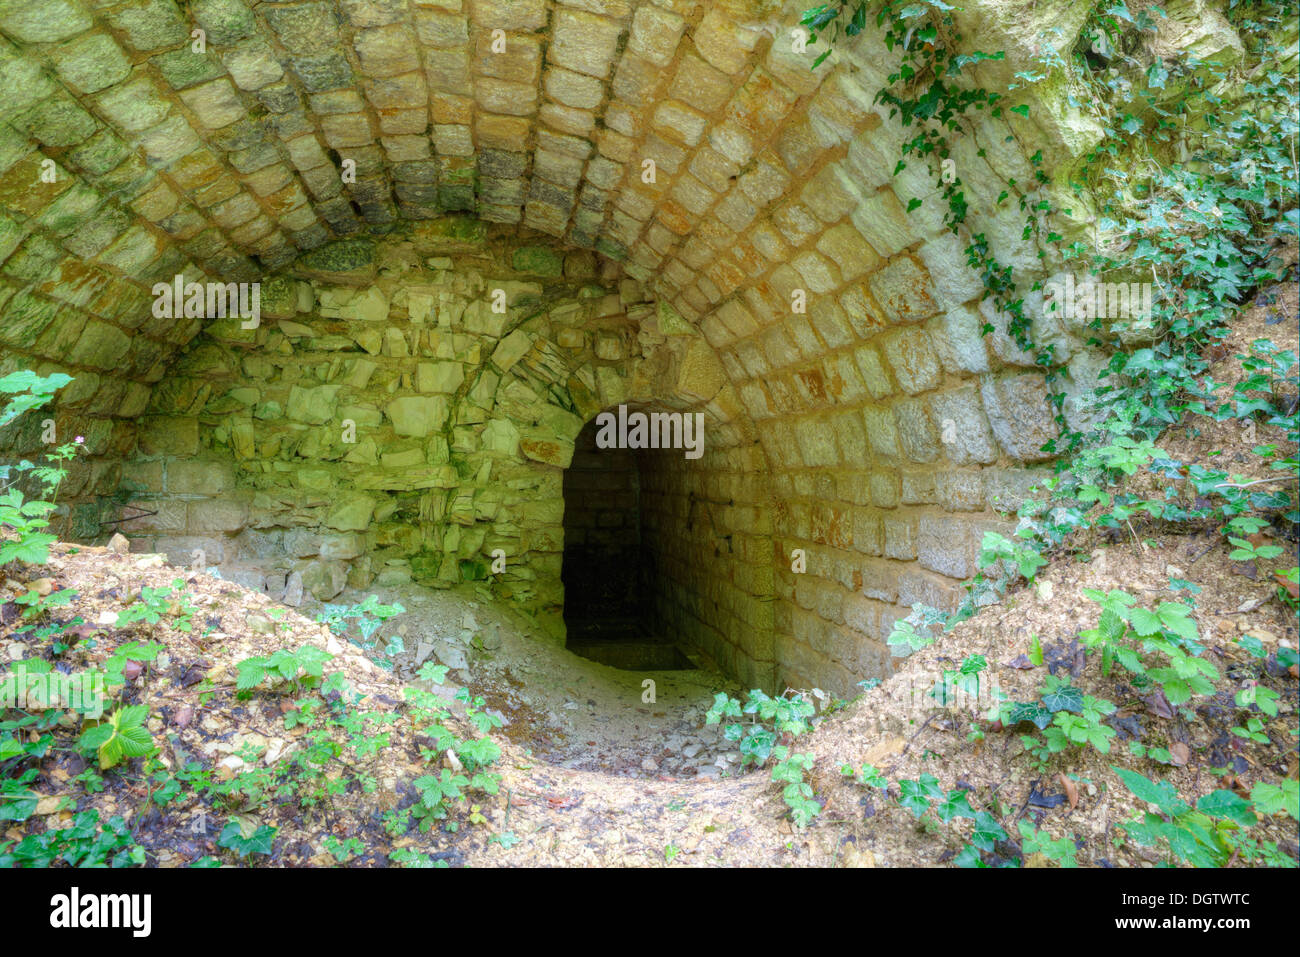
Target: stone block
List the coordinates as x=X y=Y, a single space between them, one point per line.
x=1019 y=414
x=417 y=416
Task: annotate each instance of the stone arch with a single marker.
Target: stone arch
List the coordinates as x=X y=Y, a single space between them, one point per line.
x=347 y=143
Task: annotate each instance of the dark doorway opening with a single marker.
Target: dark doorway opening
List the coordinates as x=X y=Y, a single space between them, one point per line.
x=609 y=574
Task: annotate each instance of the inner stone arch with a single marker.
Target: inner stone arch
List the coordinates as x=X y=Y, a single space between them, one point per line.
x=668 y=552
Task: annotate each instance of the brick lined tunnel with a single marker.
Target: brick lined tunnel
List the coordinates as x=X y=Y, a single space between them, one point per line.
x=476 y=224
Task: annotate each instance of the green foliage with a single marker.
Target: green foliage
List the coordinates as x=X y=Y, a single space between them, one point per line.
x=917 y=795
x=302 y=669
x=1127 y=634
x=1269 y=799
x=130 y=651
x=342 y=850
x=246 y=838
x=19 y=757
x=1034 y=841
x=369 y=615
x=915 y=631
x=27 y=391
x=1066 y=716
x=961 y=681
x=122 y=736
x=1208 y=835
x=770 y=719
x=789 y=769
x=473 y=756
x=869 y=776
x=156 y=603
x=84 y=843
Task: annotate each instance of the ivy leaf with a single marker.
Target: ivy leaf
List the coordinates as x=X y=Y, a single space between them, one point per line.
x=969 y=857
x=917 y=795
x=232 y=838
x=1063 y=697
x=1019 y=711
x=987 y=831
x=956 y=804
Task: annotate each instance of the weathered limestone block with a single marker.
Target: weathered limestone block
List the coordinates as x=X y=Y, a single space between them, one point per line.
x=900 y=535
x=324 y=579
x=418 y=416
x=903 y=290
x=511 y=349
x=186 y=550
x=351 y=512
x=1019 y=414
x=195 y=477
x=543 y=446
x=963 y=429
x=169 y=435
x=919 y=585
x=882 y=431
x=313 y=405
x=943 y=545
x=913 y=360
x=444 y=377
x=917 y=433
x=217 y=515
x=960 y=490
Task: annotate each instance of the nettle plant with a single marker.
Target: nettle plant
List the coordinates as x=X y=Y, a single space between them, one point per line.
x=155 y=604
x=294 y=670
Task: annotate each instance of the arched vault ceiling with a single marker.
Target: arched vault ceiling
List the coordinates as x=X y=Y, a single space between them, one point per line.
x=687 y=141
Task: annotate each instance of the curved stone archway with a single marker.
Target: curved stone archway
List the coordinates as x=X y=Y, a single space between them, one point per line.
x=664 y=191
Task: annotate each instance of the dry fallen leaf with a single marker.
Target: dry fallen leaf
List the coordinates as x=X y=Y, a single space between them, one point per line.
x=1292 y=588
x=1070 y=788
x=1178 y=754
x=1158 y=705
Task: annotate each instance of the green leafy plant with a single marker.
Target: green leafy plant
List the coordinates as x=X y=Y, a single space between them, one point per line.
x=120 y=737
x=342 y=850
x=369 y=616
x=246 y=838
x=86 y=842
x=1207 y=835
x=1034 y=841
x=154 y=604
x=302 y=669
x=790 y=770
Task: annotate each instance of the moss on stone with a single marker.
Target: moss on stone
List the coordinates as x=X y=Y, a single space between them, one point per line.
x=184 y=67
x=346 y=255
x=538 y=259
